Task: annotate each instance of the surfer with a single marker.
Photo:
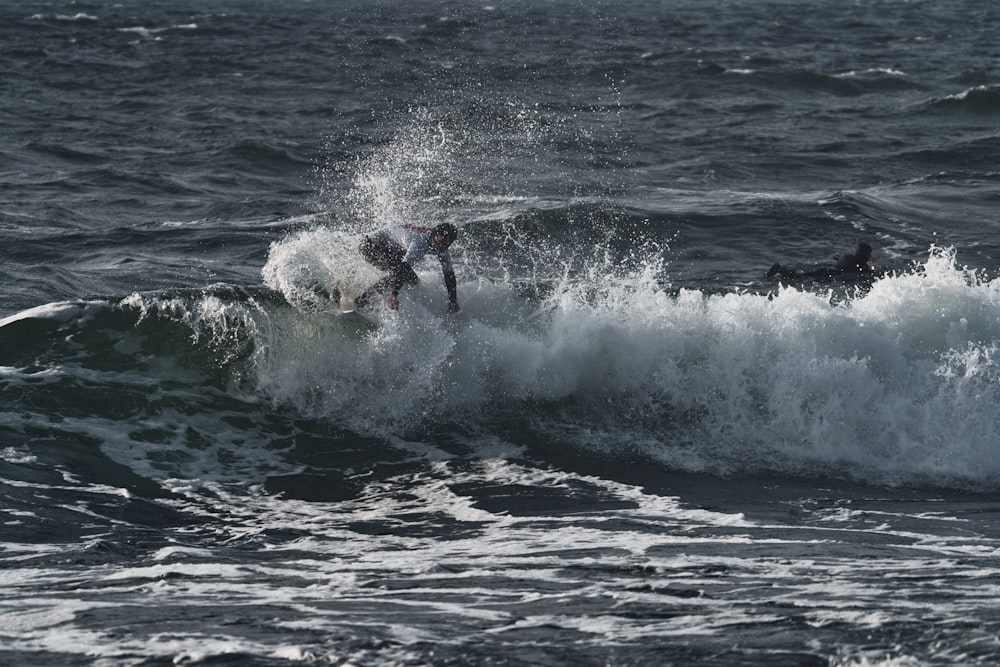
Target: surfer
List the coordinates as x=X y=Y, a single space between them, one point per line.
x=859 y=263
x=396 y=249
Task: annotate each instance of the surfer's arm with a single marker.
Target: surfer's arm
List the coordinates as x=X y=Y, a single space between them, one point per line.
x=451 y=284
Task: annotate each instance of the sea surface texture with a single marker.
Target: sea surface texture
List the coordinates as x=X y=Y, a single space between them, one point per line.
x=630 y=447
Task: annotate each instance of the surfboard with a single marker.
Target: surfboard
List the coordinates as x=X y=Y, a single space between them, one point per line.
x=345 y=301
x=361 y=316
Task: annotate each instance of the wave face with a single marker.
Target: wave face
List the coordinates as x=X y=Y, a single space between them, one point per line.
x=894 y=386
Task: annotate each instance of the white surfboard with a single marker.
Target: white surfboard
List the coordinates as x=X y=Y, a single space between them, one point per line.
x=347 y=308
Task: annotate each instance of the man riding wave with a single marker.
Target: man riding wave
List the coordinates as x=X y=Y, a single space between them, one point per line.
x=396 y=249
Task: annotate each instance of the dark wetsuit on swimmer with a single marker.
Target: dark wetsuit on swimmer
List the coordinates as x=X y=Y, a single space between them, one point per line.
x=396 y=249
x=857 y=264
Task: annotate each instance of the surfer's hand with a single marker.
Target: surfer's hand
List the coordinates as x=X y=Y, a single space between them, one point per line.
x=453 y=307
x=393 y=302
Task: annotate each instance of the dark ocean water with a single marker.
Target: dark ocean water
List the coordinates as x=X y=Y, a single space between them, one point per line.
x=629 y=448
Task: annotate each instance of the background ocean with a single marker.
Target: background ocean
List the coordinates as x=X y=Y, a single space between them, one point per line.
x=629 y=448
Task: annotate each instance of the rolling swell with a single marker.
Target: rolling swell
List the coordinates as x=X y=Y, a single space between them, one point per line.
x=979 y=99
x=848 y=84
x=197 y=330
x=160 y=383
x=967 y=154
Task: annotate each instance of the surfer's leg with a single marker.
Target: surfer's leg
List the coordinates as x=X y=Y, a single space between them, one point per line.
x=380 y=287
x=381 y=255
x=402 y=275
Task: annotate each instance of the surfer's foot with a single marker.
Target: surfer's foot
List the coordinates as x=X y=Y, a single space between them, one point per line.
x=774 y=270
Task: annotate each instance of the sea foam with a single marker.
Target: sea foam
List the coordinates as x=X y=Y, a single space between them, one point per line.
x=895 y=385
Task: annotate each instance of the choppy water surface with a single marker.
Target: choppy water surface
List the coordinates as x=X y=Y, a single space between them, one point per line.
x=630 y=448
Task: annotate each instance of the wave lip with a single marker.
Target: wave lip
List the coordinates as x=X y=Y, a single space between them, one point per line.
x=79 y=17
x=846 y=84
x=978 y=99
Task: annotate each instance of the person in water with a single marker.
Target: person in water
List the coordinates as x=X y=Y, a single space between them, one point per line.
x=396 y=249
x=859 y=263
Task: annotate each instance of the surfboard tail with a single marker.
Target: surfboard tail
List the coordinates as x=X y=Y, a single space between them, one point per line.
x=346 y=302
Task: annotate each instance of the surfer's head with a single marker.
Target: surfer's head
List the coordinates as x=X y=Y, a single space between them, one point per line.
x=864 y=252
x=444 y=235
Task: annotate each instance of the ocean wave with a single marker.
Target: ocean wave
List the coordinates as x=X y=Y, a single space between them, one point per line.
x=270 y=158
x=200 y=329
x=978 y=99
x=897 y=385
x=74 y=18
x=893 y=386
x=68 y=154
x=155 y=33
x=154 y=381
x=847 y=84
x=978 y=153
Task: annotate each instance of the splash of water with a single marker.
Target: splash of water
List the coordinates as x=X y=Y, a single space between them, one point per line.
x=895 y=385
x=898 y=385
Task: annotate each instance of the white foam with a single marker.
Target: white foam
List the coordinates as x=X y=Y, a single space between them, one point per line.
x=79 y=16
x=17 y=457
x=871 y=71
x=61 y=312
x=898 y=384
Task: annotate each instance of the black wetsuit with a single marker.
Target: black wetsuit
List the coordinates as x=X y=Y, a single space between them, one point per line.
x=856 y=264
x=395 y=250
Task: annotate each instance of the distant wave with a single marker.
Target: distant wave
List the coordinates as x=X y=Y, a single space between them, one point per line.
x=270 y=157
x=975 y=153
x=979 y=99
x=78 y=17
x=770 y=75
x=153 y=33
x=845 y=84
